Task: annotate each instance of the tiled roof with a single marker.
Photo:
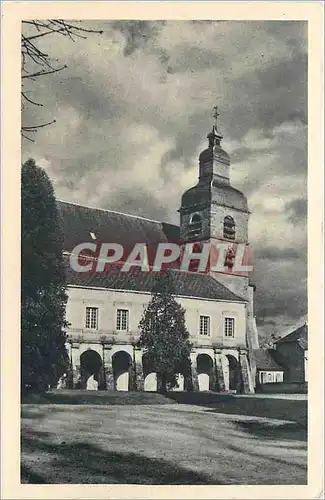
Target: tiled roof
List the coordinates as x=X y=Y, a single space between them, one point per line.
x=82 y=224
x=78 y=222
x=186 y=284
x=299 y=335
x=265 y=360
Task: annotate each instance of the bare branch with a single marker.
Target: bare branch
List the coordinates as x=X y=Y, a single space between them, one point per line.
x=35 y=63
x=30 y=100
x=26 y=136
x=34 y=128
x=42 y=73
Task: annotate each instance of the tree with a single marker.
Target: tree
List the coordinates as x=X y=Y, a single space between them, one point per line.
x=269 y=340
x=163 y=334
x=43 y=292
x=35 y=63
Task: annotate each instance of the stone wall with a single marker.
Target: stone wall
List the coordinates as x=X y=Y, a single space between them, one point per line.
x=217 y=215
x=108 y=301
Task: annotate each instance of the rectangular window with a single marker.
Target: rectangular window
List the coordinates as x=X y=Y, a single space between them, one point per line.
x=122 y=320
x=229 y=327
x=92 y=317
x=204 y=325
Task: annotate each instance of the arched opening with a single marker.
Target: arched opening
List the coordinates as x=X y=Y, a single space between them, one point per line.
x=229 y=228
x=195 y=226
x=205 y=372
x=149 y=373
x=122 y=366
x=91 y=371
x=232 y=374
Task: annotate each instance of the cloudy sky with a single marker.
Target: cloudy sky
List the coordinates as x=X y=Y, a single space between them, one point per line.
x=133 y=109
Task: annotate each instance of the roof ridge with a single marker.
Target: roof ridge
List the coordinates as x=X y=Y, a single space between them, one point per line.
x=301 y=323
x=115 y=212
x=223 y=286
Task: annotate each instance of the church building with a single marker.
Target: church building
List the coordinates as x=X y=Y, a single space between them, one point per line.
x=104 y=309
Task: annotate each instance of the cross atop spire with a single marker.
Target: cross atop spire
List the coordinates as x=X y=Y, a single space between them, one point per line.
x=215 y=114
x=215 y=136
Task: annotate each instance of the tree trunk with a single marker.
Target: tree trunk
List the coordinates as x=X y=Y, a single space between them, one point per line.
x=161 y=383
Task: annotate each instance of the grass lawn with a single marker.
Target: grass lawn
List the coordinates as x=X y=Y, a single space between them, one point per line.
x=159 y=444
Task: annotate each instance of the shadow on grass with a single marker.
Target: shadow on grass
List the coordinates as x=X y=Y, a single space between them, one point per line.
x=84 y=463
x=289 y=431
x=27 y=476
x=280 y=409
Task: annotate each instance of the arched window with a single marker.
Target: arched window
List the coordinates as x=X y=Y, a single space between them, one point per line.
x=195 y=226
x=229 y=228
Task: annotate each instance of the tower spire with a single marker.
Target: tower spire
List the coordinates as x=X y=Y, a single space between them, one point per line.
x=215 y=136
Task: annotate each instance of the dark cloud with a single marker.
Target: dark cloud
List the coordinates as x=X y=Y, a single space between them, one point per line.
x=283 y=101
x=137 y=202
x=134 y=107
x=290 y=304
x=137 y=33
x=297 y=211
x=266 y=321
x=275 y=253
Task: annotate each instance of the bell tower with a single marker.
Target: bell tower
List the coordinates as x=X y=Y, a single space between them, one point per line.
x=214 y=211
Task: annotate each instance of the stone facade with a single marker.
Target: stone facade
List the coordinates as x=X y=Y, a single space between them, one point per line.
x=218 y=363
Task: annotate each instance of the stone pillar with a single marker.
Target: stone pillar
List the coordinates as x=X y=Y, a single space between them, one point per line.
x=108 y=367
x=195 y=380
x=75 y=365
x=220 y=379
x=138 y=369
x=246 y=378
x=213 y=385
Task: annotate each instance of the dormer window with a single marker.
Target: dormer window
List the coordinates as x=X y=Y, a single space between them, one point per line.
x=229 y=228
x=195 y=226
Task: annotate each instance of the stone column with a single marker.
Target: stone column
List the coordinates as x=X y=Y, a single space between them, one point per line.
x=213 y=386
x=138 y=369
x=108 y=367
x=195 y=380
x=75 y=365
x=219 y=370
x=246 y=378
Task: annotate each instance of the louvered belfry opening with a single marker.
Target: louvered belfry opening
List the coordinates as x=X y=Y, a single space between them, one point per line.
x=229 y=228
x=195 y=227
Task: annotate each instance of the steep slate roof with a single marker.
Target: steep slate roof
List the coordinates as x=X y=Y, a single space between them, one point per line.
x=186 y=284
x=300 y=335
x=77 y=224
x=265 y=361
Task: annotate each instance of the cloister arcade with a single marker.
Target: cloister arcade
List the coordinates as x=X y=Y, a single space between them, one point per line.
x=124 y=368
